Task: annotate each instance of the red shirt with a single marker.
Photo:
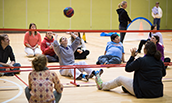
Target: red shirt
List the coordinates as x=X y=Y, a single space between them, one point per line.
x=46 y=50
x=32 y=40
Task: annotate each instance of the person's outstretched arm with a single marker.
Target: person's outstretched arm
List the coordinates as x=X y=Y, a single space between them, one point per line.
x=56 y=45
x=76 y=42
x=132 y=64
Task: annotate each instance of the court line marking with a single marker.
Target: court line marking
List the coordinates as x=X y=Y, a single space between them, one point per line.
x=20 y=90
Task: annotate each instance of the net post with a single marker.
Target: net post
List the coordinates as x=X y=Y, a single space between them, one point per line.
x=74 y=81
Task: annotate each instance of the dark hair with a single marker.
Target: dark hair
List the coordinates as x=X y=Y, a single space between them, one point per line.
x=157 y=3
x=39 y=62
x=152 y=27
x=30 y=33
x=72 y=39
x=2 y=37
x=152 y=50
x=157 y=38
x=113 y=36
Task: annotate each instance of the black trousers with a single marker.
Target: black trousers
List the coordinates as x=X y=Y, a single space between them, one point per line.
x=142 y=42
x=82 y=55
x=122 y=34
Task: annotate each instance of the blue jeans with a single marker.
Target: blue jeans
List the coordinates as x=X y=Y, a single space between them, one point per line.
x=108 y=59
x=15 y=65
x=57 y=95
x=122 y=34
x=157 y=22
x=52 y=58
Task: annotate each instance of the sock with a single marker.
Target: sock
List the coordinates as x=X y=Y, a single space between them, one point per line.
x=83 y=75
x=96 y=72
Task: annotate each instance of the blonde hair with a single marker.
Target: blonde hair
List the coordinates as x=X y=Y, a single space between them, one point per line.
x=121 y=4
x=39 y=62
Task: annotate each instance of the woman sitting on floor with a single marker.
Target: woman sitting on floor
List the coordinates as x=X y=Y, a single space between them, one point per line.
x=148 y=73
x=81 y=52
x=41 y=83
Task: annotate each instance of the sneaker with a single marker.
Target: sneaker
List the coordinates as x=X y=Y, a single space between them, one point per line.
x=9 y=74
x=1 y=74
x=92 y=74
x=97 y=63
x=80 y=77
x=125 y=90
x=83 y=76
x=99 y=82
x=16 y=72
x=100 y=72
x=87 y=77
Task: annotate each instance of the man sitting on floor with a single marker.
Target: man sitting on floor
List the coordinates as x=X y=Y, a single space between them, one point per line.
x=114 y=52
x=5 y=52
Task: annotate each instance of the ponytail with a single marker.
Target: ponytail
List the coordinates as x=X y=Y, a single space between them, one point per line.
x=157 y=55
x=121 y=4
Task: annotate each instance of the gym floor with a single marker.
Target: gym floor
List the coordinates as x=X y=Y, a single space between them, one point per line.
x=12 y=89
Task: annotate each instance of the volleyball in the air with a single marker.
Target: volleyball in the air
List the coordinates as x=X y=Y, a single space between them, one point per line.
x=68 y=12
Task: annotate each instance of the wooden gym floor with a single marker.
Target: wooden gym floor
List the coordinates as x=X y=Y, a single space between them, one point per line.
x=12 y=89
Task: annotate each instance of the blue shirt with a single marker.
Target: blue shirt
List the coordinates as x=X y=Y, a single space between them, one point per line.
x=114 y=49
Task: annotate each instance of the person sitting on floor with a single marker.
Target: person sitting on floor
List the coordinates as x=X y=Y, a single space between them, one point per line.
x=143 y=41
x=114 y=52
x=32 y=40
x=41 y=83
x=81 y=52
x=160 y=48
x=148 y=73
x=66 y=57
x=6 y=52
x=47 y=48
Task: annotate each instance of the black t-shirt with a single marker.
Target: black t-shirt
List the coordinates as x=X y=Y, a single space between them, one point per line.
x=5 y=53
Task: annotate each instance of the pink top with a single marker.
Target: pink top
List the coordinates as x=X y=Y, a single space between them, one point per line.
x=32 y=40
x=41 y=84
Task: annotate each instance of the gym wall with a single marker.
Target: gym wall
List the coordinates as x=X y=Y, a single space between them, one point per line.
x=88 y=14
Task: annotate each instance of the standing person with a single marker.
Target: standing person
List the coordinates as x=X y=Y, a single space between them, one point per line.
x=148 y=73
x=81 y=52
x=6 y=52
x=66 y=57
x=47 y=48
x=114 y=52
x=41 y=83
x=123 y=18
x=157 y=14
x=160 y=48
x=143 y=41
x=32 y=40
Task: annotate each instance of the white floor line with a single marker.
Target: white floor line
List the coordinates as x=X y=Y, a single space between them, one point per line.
x=20 y=91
